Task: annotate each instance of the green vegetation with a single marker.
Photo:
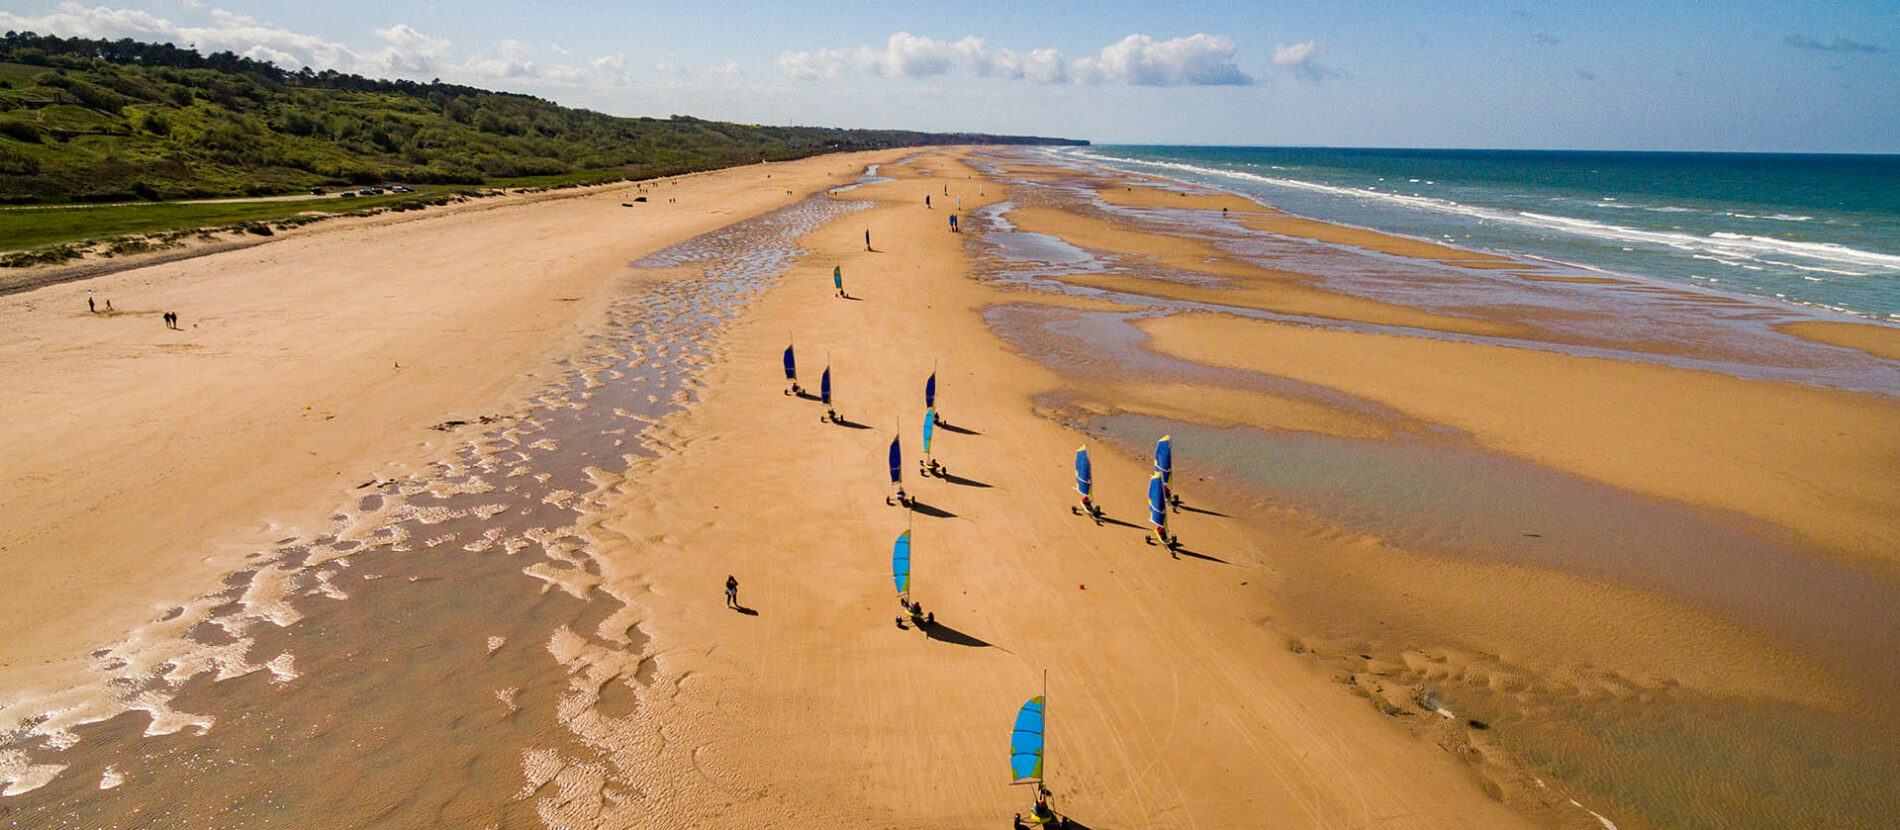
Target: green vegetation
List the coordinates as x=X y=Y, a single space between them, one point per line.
x=115 y=121
x=32 y=226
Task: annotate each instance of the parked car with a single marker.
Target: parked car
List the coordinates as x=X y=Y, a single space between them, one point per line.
x=316 y=191
x=349 y=194
x=370 y=191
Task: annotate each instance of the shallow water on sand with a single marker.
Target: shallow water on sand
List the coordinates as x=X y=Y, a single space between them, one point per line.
x=1638 y=753
x=427 y=659
x=1628 y=318
x=1459 y=502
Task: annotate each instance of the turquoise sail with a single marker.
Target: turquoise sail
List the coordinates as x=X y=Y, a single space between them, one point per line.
x=837 y=277
x=930 y=423
x=1157 y=504
x=1025 y=743
x=1084 y=478
x=900 y=562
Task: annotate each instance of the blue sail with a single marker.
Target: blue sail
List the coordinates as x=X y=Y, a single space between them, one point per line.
x=1164 y=459
x=837 y=277
x=1084 y=477
x=897 y=463
x=1025 y=743
x=791 y=366
x=1157 y=503
x=824 y=386
x=900 y=562
x=930 y=424
x=930 y=392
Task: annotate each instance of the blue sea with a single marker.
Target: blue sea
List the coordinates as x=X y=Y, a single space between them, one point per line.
x=1817 y=230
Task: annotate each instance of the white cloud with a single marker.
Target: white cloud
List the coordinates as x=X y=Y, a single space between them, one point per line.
x=811 y=66
x=410 y=53
x=407 y=53
x=1141 y=60
x=908 y=56
x=512 y=62
x=1299 y=59
x=1041 y=65
x=1200 y=59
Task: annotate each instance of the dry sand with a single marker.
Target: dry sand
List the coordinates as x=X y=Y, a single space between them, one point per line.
x=150 y=461
x=1880 y=341
x=143 y=463
x=1818 y=462
x=1169 y=706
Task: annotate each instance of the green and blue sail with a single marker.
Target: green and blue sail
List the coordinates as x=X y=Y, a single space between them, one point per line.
x=900 y=563
x=1026 y=743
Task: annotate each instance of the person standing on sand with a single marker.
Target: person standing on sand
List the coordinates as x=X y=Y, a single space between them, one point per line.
x=732 y=591
x=89 y=306
x=926 y=201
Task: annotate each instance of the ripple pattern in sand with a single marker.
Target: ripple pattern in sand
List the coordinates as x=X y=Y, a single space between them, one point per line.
x=433 y=656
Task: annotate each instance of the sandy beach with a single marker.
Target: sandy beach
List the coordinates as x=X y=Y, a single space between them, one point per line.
x=1420 y=584
x=147 y=462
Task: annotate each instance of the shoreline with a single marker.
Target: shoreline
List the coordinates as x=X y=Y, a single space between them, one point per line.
x=1878 y=335
x=898 y=727
x=1203 y=690
x=1376 y=623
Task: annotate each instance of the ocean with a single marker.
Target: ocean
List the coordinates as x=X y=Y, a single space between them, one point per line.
x=1815 y=230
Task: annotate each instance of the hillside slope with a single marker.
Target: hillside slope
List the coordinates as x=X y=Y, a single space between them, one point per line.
x=96 y=120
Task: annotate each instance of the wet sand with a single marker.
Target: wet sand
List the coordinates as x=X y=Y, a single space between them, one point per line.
x=1631 y=529
x=1168 y=706
x=1409 y=596
x=302 y=368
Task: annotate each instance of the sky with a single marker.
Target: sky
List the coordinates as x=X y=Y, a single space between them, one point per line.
x=1742 y=75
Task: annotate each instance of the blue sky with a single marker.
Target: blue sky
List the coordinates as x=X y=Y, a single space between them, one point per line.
x=1786 y=76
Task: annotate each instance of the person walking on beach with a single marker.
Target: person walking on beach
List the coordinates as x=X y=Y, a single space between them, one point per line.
x=732 y=591
x=89 y=305
x=926 y=201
